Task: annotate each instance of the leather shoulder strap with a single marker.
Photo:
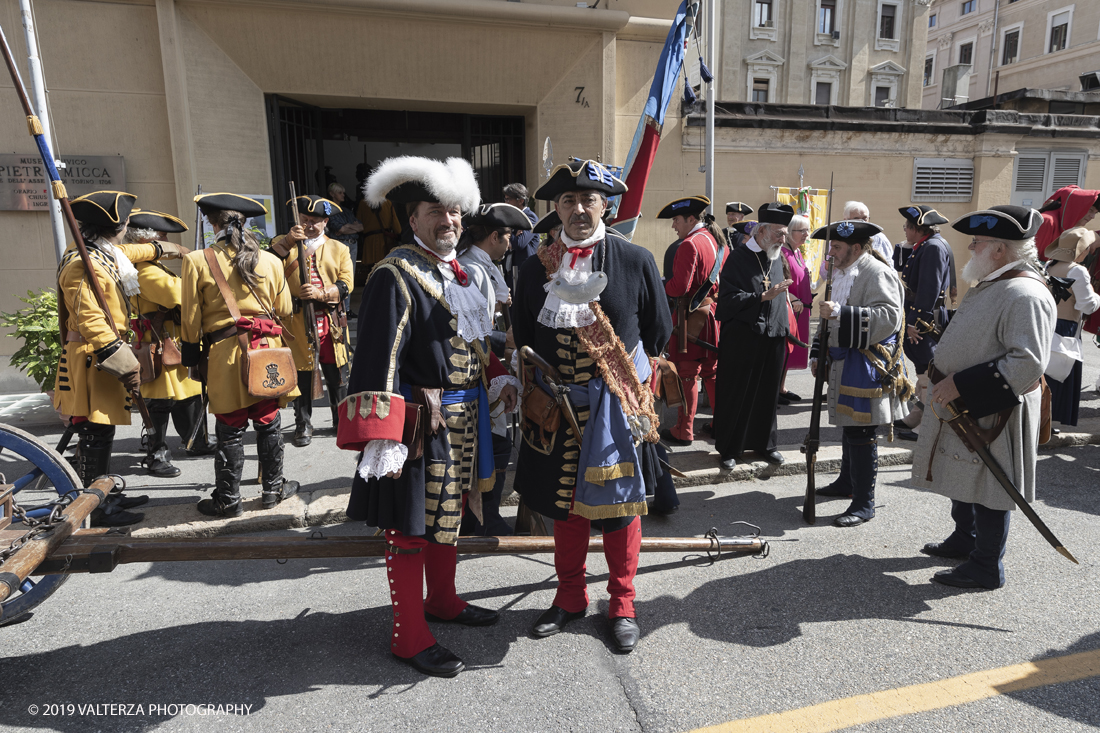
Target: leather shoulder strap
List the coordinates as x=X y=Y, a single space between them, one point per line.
x=1021 y=273
x=223 y=286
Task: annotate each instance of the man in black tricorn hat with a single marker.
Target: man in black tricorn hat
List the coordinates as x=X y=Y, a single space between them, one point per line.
x=735 y=212
x=989 y=362
x=867 y=382
x=597 y=322
x=753 y=318
x=423 y=341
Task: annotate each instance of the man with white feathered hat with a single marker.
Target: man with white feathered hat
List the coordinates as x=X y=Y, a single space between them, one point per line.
x=423 y=348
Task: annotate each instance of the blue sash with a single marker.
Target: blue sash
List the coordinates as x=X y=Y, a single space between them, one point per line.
x=486 y=466
x=859 y=380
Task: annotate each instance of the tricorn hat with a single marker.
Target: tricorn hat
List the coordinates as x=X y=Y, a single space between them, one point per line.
x=311 y=205
x=1001 y=222
x=922 y=216
x=739 y=208
x=689 y=205
x=231 y=202
x=156 y=221
x=745 y=226
x=411 y=178
x=580 y=175
x=1071 y=245
x=103 y=208
x=547 y=223
x=773 y=213
x=495 y=216
x=849 y=232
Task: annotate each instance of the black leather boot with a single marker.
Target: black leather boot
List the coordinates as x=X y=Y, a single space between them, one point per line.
x=863 y=448
x=94 y=460
x=158 y=459
x=303 y=411
x=228 y=467
x=185 y=415
x=843 y=484
x=269 y=448
x=336 y=378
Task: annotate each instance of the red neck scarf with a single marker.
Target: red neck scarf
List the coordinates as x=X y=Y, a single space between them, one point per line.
x=460 y=274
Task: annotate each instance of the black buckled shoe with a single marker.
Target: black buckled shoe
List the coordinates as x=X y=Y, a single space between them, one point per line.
x=850 y=520
x=554 y=620
x=942 y=549
x=115 y=516
x=626 y=633
x=126 y=502
x=728 y=463
x=905 y=435
x=957 y=580
x=773 y=457
x=470 y=616
x=269 y=499
x=203 y=447
x=668 y=437
x=834 y=489
x=212 y=508
x=435 y=661
x=159 y=464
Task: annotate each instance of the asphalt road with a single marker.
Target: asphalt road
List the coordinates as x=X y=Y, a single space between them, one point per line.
x=830 y=614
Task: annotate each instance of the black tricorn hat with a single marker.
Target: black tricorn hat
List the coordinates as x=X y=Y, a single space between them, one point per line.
x=580 y=175
x=922 y=216
x=547 y=223
x=849 y=232
x=744 y=225
x=1013 y=223
x=311 y=205
x=773 y=213
x=689 y=205
x=103 y=208
x=495 y=216
x=231 y=202
x=156 y=221
x=738 y=207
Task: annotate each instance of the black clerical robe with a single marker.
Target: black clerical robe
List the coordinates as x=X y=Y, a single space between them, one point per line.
x=751 y=352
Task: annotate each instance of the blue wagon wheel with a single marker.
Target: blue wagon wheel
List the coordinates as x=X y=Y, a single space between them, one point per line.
x=47 y=466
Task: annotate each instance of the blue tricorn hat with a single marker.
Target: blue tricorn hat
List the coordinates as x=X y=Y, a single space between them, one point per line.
x=580 y=175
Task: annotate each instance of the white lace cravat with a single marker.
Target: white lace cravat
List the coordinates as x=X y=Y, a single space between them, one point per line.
x=467 y=304
x=126 y=270
x=557 y=313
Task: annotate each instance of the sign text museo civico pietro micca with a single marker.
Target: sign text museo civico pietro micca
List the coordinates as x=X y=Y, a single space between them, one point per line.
x=24 y=185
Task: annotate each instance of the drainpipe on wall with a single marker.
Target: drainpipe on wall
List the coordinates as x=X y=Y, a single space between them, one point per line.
x=992 y=48
x=712 y=44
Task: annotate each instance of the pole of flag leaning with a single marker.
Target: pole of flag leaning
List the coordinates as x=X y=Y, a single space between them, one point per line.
x=647 y=137
x=62 y=197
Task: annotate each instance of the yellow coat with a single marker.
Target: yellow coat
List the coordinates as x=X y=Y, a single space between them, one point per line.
x=82 y=390
x=381 y=231
x=204 y=312
x=333 y=264
x=161 y=287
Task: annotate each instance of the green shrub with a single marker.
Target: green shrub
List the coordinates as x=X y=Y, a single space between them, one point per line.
x=36 y=325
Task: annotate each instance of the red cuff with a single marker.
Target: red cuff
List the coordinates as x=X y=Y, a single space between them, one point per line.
x=494 y=368
x=367 y=416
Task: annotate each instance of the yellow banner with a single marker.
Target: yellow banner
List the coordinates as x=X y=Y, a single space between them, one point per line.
x=812 y=203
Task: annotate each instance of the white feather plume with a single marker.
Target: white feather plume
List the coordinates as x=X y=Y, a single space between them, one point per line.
x=452 y=182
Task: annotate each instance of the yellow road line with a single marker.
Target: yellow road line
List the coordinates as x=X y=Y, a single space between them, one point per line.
x=850 y=711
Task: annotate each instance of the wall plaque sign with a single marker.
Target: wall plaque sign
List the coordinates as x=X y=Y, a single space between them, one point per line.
x=24 y=185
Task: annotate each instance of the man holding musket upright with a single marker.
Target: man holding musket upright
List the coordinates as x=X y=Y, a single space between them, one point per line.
x=694 y=286
x=867 y=382
x=329 y=283
x=752 y=311
x=423 y=347
x=988 y=363
x=592 y=308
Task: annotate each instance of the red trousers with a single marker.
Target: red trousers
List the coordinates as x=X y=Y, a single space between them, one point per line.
x=689 y=371
x=620 y=549
x=262 y=412
x=409 y=562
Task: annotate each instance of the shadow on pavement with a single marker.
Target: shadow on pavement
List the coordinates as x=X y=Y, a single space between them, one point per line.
x=1070 y=700
x=1069 y=479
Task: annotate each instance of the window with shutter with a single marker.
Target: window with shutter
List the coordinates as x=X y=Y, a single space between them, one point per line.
x=1066 y=171
x=1031 y=173
x=1038 y=174
x=943 y=179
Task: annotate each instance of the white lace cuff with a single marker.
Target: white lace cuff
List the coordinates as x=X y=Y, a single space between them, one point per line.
x=381 y=457
x=498 y=384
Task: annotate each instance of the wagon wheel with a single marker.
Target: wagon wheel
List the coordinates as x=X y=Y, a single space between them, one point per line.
x=47 y=467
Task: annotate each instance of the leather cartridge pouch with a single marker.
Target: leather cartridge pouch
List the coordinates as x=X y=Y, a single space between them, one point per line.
x=267 y=373
x=540 y=411
x=150 y=360
x=672 y=389
x=432 y=400
x=412 y=435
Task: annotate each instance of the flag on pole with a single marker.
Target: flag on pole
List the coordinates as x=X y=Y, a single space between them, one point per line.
x=643 y=149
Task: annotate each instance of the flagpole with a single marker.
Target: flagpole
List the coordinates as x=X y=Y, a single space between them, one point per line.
x=712 y=44
x=38 y=89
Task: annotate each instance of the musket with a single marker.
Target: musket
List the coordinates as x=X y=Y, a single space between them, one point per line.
x=960 y=422
x=559 y=390
x=813 y=438
x=62 y=196
x=200 y=243
x=308 y=314
x=700 y=342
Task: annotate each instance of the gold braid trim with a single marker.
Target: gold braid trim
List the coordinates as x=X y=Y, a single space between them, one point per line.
x=606 y=348
x=610 y=511
x=864 y=417
x=601 y=474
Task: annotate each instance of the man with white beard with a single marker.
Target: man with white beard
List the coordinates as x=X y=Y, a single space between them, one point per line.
x=867 y=382
x=752 y=350
x=989 y=362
